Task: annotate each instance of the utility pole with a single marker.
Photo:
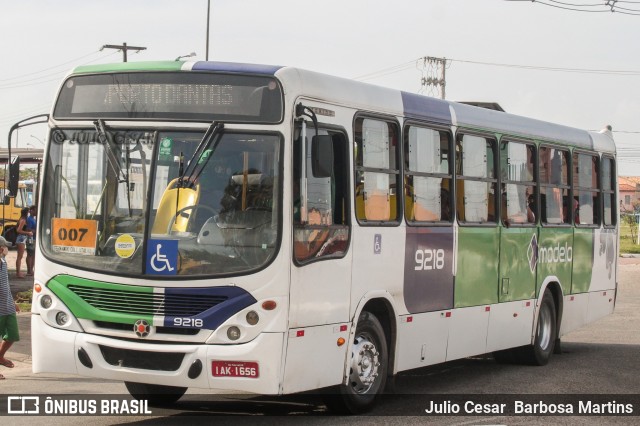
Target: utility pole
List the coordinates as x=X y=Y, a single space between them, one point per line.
x=208 y=14
x=124 y=49
x=432 y=66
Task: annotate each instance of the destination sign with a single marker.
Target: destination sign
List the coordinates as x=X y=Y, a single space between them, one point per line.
x=175 y=95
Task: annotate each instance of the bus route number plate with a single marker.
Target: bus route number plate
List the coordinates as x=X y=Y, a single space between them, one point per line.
x=235 y=369
x=77 y=236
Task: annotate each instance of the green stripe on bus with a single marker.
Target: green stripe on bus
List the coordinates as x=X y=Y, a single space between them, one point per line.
x=84 y=310
x=582 y=260
x=477 y=278
x=555 y=256
x=517 y=256
x=131 y=66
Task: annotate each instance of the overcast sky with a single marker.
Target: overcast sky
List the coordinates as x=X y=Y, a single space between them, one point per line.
x=40 y=41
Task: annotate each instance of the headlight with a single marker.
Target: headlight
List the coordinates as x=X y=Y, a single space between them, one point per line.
x=233 y=333
x=252 y=317
x=46 y=301
x=62 y=318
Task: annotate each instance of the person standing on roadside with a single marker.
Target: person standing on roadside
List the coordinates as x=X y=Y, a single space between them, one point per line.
x=8 y=309
x=21 y=241
x=32 y=223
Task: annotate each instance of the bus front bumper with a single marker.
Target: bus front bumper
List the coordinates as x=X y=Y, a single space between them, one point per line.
x=61 y=351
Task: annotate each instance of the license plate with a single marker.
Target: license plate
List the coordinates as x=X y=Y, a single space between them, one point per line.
x=235 y=369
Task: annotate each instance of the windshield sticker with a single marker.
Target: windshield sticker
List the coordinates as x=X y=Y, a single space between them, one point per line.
x=76 y=236
x=125 y=246
x=162 y=257
x=204 y=156
x=166 y=148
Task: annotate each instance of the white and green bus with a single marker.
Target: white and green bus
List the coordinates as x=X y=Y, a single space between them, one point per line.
x=274 y=230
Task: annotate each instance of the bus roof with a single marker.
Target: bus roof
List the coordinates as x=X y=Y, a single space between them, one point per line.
x=366 y=96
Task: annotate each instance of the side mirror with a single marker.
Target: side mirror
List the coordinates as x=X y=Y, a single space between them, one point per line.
x=14 y=175
x=322 y=156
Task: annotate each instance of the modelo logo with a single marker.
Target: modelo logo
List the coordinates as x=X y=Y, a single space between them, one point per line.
x=557 y=254
x=429 y=259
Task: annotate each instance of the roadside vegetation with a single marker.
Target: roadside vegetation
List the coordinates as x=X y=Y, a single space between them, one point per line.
x=628 y=235
x=23 y=299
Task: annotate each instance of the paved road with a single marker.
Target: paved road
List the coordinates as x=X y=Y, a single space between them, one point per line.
x=602 y=358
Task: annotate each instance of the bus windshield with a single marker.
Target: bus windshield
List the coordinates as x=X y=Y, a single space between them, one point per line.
x=120 y=201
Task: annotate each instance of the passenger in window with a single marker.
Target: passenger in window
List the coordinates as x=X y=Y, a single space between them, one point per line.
x=531 y=207
x=445 y=205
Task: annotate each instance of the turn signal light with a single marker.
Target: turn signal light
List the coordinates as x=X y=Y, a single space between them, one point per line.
x=269 y=305
x=37 y=287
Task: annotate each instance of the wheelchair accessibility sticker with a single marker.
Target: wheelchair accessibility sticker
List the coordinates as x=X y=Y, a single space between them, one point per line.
x=162 y=257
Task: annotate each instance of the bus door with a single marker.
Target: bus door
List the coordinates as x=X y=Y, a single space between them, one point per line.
x=518 y=244
x=321 y=272
x=555 y=239
x=519 y=234
x=378 y=241
x=478 y=246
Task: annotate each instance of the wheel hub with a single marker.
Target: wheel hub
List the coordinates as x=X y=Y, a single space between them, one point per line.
x=544 y=328
x=364 y=364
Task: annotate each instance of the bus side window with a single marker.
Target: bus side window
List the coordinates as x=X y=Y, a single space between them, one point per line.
x=585 y=189
x=608 y=192
x=377 y=170
x=427 y=174
x=476 y=180
x=517 y=161
x=554 y=185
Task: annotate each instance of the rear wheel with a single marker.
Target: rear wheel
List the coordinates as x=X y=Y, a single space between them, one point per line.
x=367 y=369
x=546 y=333
x=157 y=395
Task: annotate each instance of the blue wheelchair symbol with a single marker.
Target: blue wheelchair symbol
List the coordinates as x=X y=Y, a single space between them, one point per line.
x=162 y=257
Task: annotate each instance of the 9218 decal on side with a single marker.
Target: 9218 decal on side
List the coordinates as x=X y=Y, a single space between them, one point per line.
x=428 y=269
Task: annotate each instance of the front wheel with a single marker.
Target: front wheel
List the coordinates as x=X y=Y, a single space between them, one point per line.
x=157 y=395
x=367 y=369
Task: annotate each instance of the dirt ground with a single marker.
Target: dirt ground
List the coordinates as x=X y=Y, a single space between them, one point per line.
x=18 y=284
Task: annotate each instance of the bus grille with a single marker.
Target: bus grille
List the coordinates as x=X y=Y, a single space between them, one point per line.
x=135 y=303
x=145 y=360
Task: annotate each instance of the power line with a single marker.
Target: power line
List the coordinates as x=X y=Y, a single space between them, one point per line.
x=557 y=69
x=386 y=71
x=38 y=80
x=606 y=6
x=407 y=65
x=50 y=68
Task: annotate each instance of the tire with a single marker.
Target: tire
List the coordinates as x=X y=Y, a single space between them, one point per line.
x=368 y=365
x=156 y=395
x=546 y=334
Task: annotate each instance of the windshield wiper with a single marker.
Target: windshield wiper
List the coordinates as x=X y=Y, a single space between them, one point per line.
x=191 y=173
x=114 y=162
x=113 y=159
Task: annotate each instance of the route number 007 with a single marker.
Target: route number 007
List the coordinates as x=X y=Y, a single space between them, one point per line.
x=72 y=234
x=428 y=259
